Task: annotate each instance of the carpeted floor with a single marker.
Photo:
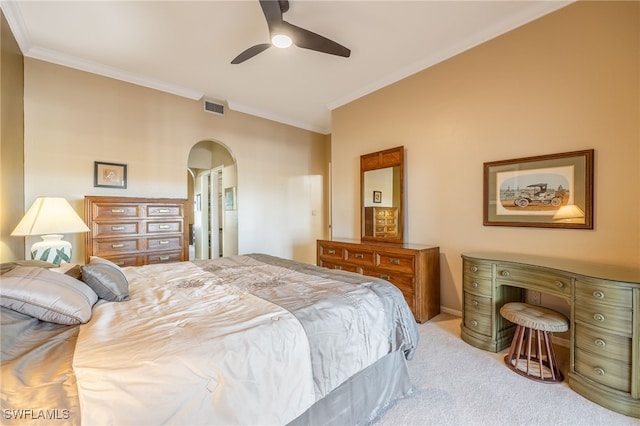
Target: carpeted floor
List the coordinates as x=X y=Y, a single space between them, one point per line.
x=457 y=384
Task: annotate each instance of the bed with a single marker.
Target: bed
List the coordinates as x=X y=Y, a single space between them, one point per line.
x=250 y=339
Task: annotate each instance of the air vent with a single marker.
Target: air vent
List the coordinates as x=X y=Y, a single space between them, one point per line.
x=214 y=107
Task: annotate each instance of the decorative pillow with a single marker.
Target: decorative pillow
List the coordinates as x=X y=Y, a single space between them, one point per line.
x=7 y=266
x=106 y=279
x=46 y=295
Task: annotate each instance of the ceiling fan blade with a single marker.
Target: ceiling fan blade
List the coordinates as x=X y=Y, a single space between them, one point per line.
x=272 y=10
x=310 y=40
x=250 y=52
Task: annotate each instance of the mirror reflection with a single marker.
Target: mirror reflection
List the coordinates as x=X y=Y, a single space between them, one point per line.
x=382 y=195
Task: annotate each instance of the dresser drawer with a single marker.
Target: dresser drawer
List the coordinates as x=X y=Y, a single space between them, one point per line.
x=477 y=285
x=339 y=266
x=606 y=317
x=165 y=243
x=116 y=229
x=478 y=323
x=164 y=257
x=359 y=256
x=603 y=344
x=158 y=210
x=115 y=247
x=326 y=251
x=477 y=305
x=608 y=372
x=114 y=211
x=396 y=262
x=594 y=291
x=126 y=260
x=533 y=279
x=167 y=227
x=404 y=283
x=475 y=268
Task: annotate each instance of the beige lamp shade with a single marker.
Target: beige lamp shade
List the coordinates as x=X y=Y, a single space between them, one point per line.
x=50 y=217
x=569 y=213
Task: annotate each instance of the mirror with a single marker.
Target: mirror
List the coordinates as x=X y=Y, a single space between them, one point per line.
x=382 y=195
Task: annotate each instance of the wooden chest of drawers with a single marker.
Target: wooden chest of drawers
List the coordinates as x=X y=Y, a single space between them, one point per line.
x=381 y=221
x=605 y=318
x=136 y=231
x=414 y=269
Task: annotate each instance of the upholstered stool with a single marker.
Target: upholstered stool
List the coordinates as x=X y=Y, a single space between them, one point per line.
x=534 y=323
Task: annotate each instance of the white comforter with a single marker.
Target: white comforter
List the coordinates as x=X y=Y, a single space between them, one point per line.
x=189 y=349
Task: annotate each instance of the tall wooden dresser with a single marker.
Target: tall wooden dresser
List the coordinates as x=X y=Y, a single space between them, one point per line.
x=414 y=269
x=381 y=221
x=136 y=231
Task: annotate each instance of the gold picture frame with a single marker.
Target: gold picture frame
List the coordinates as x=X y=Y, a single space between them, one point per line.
x=546 y=191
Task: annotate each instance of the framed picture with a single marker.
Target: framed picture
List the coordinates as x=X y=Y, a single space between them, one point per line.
x=110 y=175
x=230 y=198
x=546 y=191
x=377 y=196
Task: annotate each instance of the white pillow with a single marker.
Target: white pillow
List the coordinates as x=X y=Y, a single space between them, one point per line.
x=47 y=295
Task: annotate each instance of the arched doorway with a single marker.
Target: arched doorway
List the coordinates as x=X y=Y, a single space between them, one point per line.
x=213 y=190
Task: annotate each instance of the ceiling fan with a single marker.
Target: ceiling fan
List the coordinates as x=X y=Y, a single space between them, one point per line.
x=283 y=34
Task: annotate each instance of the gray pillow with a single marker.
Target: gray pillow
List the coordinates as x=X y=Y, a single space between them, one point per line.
x=7 y=266
x=46 y=295
x=106 y=279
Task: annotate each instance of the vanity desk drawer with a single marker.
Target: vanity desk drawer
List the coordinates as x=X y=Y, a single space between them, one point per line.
x=533 y=279
x=481 y=286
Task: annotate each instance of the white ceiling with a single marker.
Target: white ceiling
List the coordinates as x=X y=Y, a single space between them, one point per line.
x=185 y=47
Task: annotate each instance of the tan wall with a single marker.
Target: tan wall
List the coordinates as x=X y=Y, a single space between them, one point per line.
x=568 y=81
x=11 y=144
x=73 y=118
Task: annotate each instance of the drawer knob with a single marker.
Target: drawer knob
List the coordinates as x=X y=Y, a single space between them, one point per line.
x=600 y=343
x=117 y=228
x=163 y=242
x=474 y=323
x=385 y=277
x=474 y=284
x=331 y=251
x=164 y=257
x=474 y=269
x=598 y=294
x=359 y=256
x=598 y=317
x=559 y=284
x=475 y=303
x=394 y=261
x=599 y=371
x=163 y=210
x=117 y=245
x=117 y=210
x=504 y=273
x=163 y=226
x=119 y=262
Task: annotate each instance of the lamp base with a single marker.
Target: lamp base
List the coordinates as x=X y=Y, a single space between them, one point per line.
x=52 y=249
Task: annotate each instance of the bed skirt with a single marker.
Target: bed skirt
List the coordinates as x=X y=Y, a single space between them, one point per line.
x=364 y=397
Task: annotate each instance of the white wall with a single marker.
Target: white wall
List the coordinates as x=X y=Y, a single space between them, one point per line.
x=566 y=82
x=73 y=118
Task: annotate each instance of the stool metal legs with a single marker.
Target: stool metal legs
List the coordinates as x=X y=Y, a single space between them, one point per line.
x=541 y=365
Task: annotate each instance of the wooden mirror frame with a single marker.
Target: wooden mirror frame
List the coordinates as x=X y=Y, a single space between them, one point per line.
x=393 y=157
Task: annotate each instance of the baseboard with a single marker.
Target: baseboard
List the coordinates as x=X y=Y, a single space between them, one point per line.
x=450 y=311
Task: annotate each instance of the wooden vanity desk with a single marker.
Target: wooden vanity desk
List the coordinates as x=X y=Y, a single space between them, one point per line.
x=604 y=320
x=414 y=269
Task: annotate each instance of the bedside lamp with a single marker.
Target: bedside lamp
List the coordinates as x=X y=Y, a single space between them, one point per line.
x=50 y=217
x=569 y=213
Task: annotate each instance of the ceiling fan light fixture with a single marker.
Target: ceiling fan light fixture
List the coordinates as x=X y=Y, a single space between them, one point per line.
x=281 y=40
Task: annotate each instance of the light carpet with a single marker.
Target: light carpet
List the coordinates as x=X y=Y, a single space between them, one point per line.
x=458 y=384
